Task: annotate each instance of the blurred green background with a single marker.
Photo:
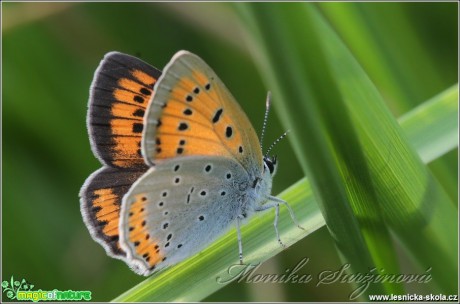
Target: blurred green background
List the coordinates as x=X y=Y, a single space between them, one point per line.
x=50 y=52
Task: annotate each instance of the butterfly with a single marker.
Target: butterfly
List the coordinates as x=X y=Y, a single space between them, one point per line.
x=181 y=162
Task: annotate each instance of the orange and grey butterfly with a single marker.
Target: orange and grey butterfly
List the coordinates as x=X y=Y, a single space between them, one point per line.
x=181 y=164
x=119 y=94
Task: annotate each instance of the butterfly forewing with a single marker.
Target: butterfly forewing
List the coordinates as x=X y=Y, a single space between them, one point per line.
x=193 y=113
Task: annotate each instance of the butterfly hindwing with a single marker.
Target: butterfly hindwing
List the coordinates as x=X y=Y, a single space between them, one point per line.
x=177 y=208
x=193 y=113
x=119 y=95
x=100 y=203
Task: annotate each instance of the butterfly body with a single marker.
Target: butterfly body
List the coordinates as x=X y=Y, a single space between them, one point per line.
x=182 y=163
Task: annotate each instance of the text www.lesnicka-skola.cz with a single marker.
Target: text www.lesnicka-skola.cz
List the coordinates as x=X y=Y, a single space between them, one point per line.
x=415 y=297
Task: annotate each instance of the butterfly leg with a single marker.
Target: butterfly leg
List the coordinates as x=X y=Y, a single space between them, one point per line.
x=274 y=199
x=240 y=243
x=277 y=214
x=273 y=204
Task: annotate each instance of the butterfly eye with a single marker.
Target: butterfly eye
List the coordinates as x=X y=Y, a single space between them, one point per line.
x=270 y=164
x=270 y=167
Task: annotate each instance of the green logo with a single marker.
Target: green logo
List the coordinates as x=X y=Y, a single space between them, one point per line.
x=22 y=291
x=12 y=287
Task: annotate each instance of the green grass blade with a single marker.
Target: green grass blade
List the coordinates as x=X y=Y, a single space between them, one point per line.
x=443 y=135
x=325 y=139
x=414 y=205
x=305 y=63
x=398 y=71
x=199 y=273
x=372 y=39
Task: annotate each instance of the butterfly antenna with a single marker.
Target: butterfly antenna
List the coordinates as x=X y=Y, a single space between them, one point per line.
x=276 y=141
x=267 y=110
